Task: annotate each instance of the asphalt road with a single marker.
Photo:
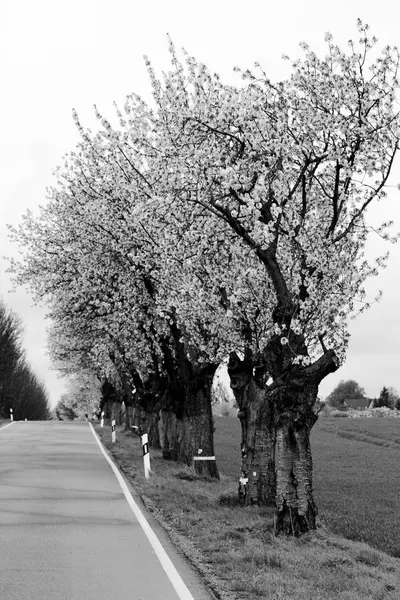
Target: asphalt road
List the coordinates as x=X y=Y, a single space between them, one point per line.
x=67 y=531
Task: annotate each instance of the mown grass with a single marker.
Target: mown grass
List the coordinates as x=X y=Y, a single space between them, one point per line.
x=234 y=548
x=356 y=479
x=356 y=475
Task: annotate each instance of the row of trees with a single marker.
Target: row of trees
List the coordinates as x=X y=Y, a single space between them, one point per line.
x=388 y=398
x=82 y=398
x=20 y=389
x=351 y=390
x=215 y=222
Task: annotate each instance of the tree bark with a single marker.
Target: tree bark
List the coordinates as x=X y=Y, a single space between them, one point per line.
x=168 y=432
x=296 y=509
x=136 y=420
x=295 y=506
x=128 y=399
x=195 y=425
x=116 y=411
x=149 y=425
x=128 y=416
x=257 y=478
x=201 y=426
x=106 y=407
x=296 y=411
x=190 y=385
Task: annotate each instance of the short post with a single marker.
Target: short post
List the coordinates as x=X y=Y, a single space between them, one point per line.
x=11 y=415
x=146 y=455
x=113 y=432
x=102 y=419
x=26 y=419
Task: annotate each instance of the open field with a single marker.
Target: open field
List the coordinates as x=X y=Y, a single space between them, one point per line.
x=234 y=548
x=356 y=474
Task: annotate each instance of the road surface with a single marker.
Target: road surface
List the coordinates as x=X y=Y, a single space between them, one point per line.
x=67 y=531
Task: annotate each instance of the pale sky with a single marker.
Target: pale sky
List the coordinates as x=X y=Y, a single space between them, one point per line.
x=55 y=56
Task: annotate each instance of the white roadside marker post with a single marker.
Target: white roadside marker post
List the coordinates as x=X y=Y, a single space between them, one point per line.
x=11 y=415
x=146 y=455
x=113 y=432
x=102 y=419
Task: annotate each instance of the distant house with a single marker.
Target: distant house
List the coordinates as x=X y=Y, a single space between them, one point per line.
x=357 y=403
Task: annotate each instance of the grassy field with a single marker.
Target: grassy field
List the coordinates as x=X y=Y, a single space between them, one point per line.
x=234 y=548
x=356 y=475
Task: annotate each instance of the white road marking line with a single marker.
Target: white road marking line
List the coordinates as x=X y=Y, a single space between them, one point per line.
x=172 y=573
x=4 y=426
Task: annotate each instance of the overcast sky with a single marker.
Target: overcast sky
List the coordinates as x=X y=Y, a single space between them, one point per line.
x=55 y=56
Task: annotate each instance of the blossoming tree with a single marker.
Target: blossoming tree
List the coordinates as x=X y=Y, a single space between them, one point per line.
x=231 y=220
x=291 y=169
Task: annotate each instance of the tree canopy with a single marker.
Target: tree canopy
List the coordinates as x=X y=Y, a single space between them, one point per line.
x=234 y=202
x=343 y=391
x=220 y=221
x=20 y=389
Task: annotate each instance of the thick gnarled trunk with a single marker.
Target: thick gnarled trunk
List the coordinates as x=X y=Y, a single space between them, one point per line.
x=257 y=477
x=190 y=385
x=276 y=422
x=257 y=480
x=295 y=507
x=195 y=425
x=296 y=411
x=145 y=419
x=201 y=428
x=148 y=400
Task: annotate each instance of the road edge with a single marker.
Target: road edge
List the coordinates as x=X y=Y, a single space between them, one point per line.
x=5 y=426
x=167 y=564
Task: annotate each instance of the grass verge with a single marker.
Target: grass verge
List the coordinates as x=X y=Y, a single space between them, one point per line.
x=234 y=548
x=356 y=475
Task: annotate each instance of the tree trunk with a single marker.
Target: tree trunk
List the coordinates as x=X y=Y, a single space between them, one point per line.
x=128 y=399
x=107 y=408
x=296 y=410
x=257 y=482
x=116 y=412
x=195 y=443
x=168 y=432
x=201 y=427
x=296 y=509
x=189 y=396
x=257 y=478
x=128 y=416
x=149 y=425
x=136 y=420
x=293 y=394
x=110 y=399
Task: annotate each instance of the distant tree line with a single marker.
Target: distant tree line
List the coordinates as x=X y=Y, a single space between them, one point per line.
x=346 y=392
x=81 y=400
x=20 y=388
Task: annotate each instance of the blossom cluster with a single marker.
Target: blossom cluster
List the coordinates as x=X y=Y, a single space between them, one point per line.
x=213 y=208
